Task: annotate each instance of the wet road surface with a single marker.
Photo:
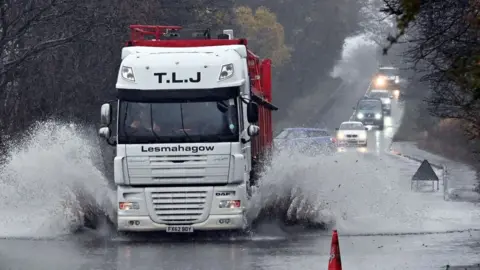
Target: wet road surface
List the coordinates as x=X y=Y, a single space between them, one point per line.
x=307 y=251
x=377 y=231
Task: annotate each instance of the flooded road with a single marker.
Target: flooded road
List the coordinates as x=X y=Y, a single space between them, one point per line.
x=381 y=223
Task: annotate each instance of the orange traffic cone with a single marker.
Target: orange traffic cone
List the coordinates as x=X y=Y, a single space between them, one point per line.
x=335 y=262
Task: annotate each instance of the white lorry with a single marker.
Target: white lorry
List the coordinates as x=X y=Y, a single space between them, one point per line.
x=193 y=121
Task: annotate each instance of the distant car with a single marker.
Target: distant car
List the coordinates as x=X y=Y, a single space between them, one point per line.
x=305 y=140
x=352 y=133
x=385 y=97
x=387 y=78
x=369 y=111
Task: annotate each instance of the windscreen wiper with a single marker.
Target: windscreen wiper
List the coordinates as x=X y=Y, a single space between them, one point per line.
x=125 y=123
x=222 y=107
x=153 y=124
x=183 y=127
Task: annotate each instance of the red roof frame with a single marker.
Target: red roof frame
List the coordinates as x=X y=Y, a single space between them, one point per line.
x=151 y=36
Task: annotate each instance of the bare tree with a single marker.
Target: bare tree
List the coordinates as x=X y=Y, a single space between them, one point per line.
x=29 y=29
x=375 y=23
x=22 y=20
x=59 y=58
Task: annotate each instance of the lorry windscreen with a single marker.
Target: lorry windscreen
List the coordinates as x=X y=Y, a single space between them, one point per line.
x=388 y=72
x=203 y=121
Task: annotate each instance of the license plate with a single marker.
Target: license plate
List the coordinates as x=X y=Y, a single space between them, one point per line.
x=179 y=229
x=352 y=141
x=368 y=123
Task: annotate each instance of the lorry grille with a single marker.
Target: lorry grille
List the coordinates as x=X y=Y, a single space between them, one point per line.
x=179 y=207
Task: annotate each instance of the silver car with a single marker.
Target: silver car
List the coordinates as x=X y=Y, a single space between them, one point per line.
x=352 y=133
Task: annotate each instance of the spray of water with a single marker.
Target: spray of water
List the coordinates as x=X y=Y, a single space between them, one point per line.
x=49 y=185
x=358 y=61
x=358 y=193
x=50 y=182
x=288 y=193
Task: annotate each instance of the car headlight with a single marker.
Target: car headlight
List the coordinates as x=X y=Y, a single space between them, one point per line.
x=226 y=72
x=360 y=115
x=340 y=135
x=127 y=73
x=378 y=116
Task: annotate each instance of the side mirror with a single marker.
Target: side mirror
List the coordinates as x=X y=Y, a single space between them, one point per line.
x=253 y=130
x=366 y=129
x=337 y=129
x=106 y=114
x=104 y=132
x=252 y=112
x=353 y=108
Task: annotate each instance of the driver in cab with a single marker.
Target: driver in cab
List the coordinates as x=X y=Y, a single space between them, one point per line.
x=142 y=119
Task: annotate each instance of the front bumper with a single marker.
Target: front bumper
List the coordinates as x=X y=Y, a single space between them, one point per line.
x=388 y=85
x=197 y=207
x=351 y=142
x=213 y=223
x=373 y=122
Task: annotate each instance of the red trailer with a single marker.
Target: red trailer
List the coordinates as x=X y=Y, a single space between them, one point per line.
x=261 y=81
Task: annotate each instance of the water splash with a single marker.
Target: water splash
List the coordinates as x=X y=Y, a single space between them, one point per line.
x=358 y=193
x=50 y=184
x=290 y=190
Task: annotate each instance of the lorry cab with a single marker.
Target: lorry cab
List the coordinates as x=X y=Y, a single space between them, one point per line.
x=387 y=77
x=192 y=114
x=370 y=112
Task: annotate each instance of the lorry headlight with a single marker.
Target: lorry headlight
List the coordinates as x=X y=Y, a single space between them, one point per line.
x=128 y=206
x=127 y=73
x=229 y=204
x=360 y=115
x=226 y=72
x=380 y=81
x=378 y=116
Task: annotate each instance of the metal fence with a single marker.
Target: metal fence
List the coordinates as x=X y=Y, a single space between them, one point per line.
x=445 y=182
